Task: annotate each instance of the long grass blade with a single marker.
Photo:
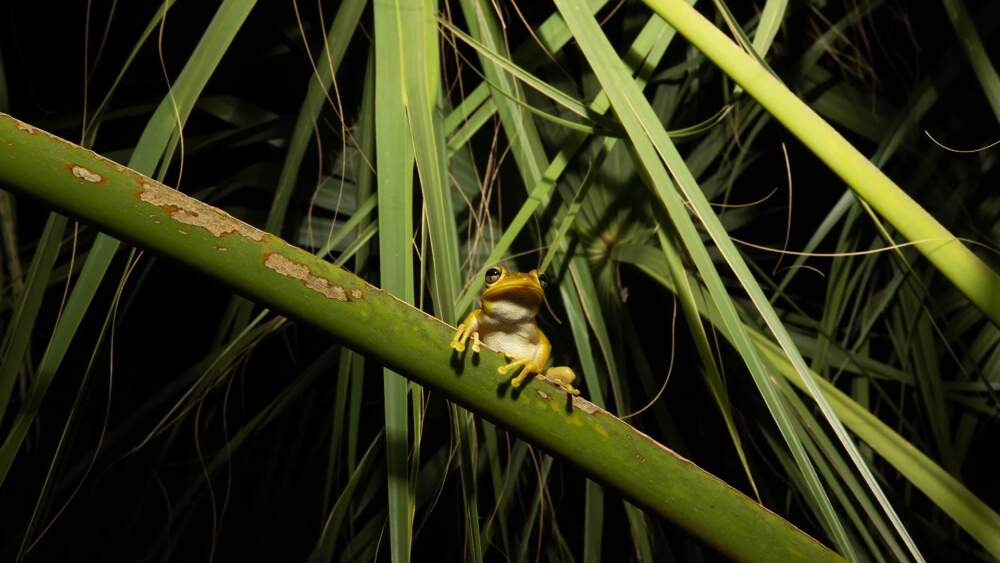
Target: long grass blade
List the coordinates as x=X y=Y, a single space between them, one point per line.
x=324 y=549
x=975 y=51
x=394 y=157
x=18 y=331
x=423 y=90
x=770 y=23
x=526 y=145
x=713 y=376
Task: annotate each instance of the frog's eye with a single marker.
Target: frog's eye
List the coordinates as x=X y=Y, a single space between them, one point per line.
x=492 y=276
x=543 y=280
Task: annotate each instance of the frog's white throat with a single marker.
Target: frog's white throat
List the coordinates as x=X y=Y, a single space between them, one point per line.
x=508 y=311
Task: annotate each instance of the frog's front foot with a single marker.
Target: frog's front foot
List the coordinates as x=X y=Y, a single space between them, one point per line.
x=462 y=335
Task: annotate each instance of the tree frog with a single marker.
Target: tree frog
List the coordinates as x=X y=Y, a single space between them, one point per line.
x=506 y=323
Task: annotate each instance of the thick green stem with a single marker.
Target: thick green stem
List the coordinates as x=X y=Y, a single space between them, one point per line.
x=374 y=322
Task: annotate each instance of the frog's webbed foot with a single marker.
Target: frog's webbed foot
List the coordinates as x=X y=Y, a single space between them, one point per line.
x=563 y=377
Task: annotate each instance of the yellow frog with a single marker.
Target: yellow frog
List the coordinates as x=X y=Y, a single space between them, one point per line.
x=506 y=323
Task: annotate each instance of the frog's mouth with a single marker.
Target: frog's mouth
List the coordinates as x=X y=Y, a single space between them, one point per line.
x=522 y=292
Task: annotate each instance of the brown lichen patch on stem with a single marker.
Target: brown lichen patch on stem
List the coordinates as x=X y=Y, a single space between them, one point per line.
x=85 y=174
x=542 y=394
x=190 y=211
x=32 y=130
x=292 y=269
x=585 y=405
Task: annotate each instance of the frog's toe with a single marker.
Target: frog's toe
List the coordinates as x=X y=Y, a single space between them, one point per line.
x=525 y=372
x=510 y=366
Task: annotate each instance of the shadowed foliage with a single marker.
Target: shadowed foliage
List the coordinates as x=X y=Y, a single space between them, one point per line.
x=159 y=409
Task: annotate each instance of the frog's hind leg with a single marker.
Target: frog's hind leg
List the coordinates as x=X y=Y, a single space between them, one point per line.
x=564 y=377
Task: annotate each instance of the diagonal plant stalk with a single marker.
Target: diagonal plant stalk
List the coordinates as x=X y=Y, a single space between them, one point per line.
x=952 y=258
x=376 y=323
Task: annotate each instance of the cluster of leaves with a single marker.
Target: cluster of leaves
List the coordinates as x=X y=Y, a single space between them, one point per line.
x=419 y=146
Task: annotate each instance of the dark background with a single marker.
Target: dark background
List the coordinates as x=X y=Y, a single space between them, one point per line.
x=131 y=504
